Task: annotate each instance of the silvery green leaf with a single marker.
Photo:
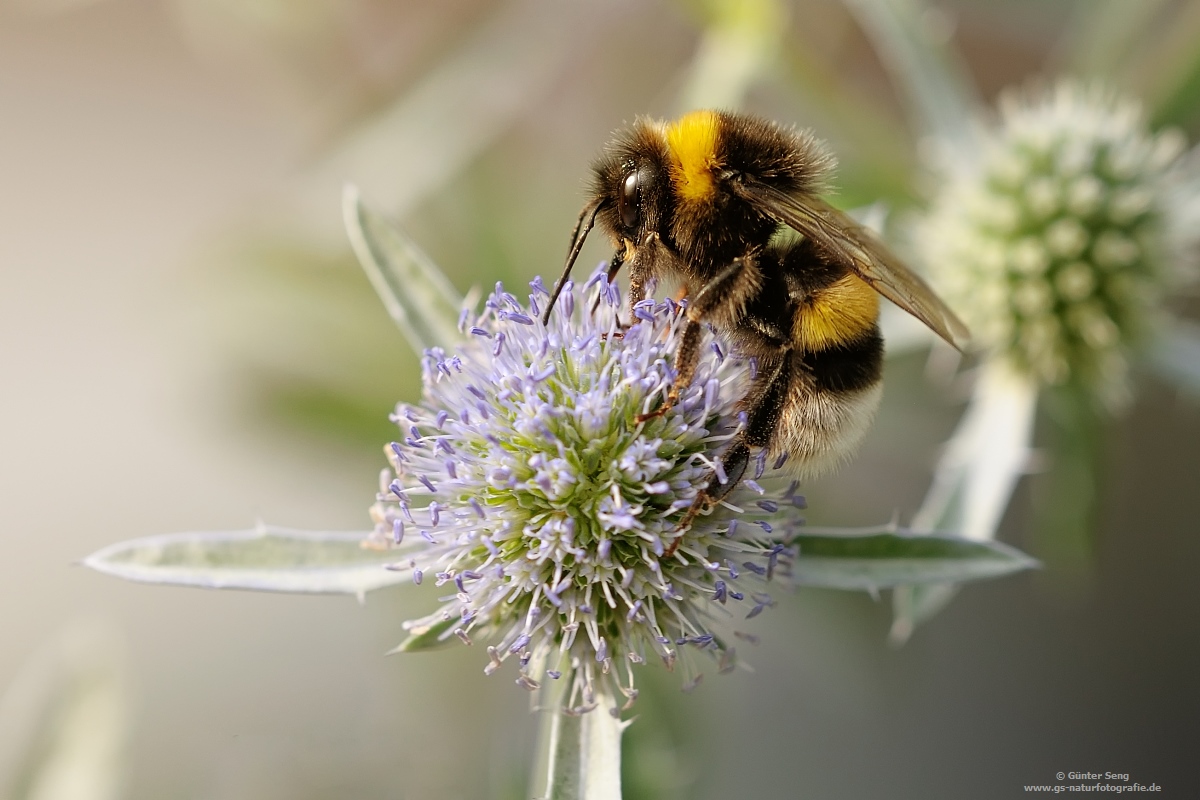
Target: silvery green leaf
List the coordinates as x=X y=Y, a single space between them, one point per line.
x=1176 y=356
x=882 y=558
x=912 y=605
x=266 y=559
x=984 y=458
x=579 y=754
x=912 y=42
x=63 y=722
x=974 y=478
x=419 y=298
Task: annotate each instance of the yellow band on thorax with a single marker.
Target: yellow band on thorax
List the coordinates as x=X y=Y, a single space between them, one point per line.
x=839 y=313
x=692 y=140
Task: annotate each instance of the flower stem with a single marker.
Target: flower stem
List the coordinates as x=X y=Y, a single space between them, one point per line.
x=578 y=756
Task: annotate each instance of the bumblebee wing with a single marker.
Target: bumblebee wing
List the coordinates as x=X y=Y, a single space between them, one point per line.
x=842 y=239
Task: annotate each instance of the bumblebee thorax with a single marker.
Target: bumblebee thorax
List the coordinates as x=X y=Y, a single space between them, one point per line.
x=692 y=142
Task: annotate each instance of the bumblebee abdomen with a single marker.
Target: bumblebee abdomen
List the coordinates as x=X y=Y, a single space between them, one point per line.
x=831 y=401
x=848 y=368
x=841 y=312
x=816 y=407
x=820 y=431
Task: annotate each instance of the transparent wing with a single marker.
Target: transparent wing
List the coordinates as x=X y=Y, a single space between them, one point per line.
x=842 y=239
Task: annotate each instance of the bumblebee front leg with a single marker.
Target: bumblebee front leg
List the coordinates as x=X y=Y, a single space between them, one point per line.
x=637 y=283
x=614 y=266
x=729 y=285
x=637 y=290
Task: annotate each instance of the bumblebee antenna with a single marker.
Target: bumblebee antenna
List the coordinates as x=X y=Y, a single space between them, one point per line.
x=587 y=218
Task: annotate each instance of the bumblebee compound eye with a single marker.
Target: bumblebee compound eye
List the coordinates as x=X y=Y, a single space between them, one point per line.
x=627 y=200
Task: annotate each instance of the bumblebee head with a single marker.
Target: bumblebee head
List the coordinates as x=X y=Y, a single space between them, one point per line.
x=630 y=197
x=671 y=195
x=679 y=182
x=631 y=182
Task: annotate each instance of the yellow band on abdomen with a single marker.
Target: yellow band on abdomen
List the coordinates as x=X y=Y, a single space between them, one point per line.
x=838 y=313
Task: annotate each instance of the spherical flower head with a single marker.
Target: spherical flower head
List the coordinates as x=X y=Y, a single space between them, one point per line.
x=525 y=484
x=1052 y=244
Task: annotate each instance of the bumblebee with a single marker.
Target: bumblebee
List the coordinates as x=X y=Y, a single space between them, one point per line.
x=703 y=201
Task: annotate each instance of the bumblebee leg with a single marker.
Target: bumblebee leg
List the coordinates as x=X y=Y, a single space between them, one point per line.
x=637 y=286
x=640 y=269
x=733 y=464
x=639 y=272
x=637 y=291
x=710 y=297
x=614 y=266
x=764 y=404
x=686 y=357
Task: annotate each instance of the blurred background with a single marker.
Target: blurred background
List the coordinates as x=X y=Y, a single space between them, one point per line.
x=187 y=344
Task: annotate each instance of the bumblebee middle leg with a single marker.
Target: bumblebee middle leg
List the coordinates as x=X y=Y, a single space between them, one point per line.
x=727 y=288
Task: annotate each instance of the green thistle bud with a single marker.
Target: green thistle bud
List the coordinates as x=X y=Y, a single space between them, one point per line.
x=1053 y=243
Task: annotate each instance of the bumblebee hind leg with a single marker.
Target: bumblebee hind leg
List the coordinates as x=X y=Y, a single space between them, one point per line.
x=733 y=463
x=764 y=404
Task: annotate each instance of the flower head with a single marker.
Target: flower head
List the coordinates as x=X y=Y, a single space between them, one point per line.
x=1054 y=243
x=524 y=482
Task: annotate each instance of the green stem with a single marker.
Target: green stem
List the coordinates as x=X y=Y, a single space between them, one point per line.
x=578 y=756
x=1066 y=498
